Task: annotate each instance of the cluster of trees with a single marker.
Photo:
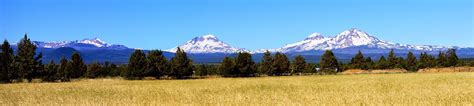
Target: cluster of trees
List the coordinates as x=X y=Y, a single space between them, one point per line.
x=411 y=63
x=26 y=64
x=156 y=65
x=275 y=65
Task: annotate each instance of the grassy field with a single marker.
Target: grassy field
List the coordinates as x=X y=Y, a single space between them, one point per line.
x=408 y=88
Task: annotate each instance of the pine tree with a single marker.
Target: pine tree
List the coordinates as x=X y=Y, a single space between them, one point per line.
x=7 y=70
x=329 y=63
x=78 y=68
x=452 y=58
x=281 y=64
x=358 y=61
x=266 y=63
x=25 y=59
x=423 y=61
x=369 y=63
x=442 y=60
x=50 y=71
x=227 y=67
x=382 y=63
x=157 y=64
x=63 y=70
x=202 y=70
x=298 y=65
x=136 y=65
x=392 y=60
x=245 y=65
x=411 y=63
x=93 y=71
x=181 y=65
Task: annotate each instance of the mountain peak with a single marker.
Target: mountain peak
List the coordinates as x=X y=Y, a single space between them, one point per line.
x=94 y=41
x=315 y=36
x=209 y=36
x=355 y=37
x=88 y=43
x=207 y=44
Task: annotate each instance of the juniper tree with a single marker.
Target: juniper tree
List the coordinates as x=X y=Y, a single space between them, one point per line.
x=298 y=65
x=227 y=67
x=411 y=63
x=358 y=61
x=157 y=64
x=369 y=64
x=382 y=63
x=245 y=65
x=63 y=71
x=202 y=70
x=392 y=60
x=266 y=63
x=452 y=58
x=281 y=64
x=181 y=65
x=329 y=63
x=136 y=65
x=94 y=70
x=50 y=72
x=442 y=60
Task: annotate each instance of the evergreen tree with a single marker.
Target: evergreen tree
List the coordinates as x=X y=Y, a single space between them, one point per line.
x=298 y=65
x=411 y=63
x=281 y=64
x=136 y=65
x=93 y=71
x=452 y=58
x=266 y=63
x=442 y=60
x=392 y=60
x=423 y=61
x=181 y=65
x=7 y=70
x=25 y=59
x=63 y=70
x=50 y=71
x=369 y=63
x=358 y=61
x=158 y=65
x=401 y=63
x=227 y=67
x=245 y=65
x=329 y=63
x=426 y=60
x=202 y=70
x=77 y=66
x=382 y=63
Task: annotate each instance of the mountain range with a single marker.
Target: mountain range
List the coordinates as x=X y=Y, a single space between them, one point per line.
x=209 y=49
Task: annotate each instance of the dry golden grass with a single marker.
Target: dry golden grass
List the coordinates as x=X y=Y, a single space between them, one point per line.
x=408 y=88
x=447 y=69
x=384 y=71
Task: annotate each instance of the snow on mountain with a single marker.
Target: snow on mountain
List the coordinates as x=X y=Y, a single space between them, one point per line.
x=349 y=38
x=94 y=43
x=207 y=44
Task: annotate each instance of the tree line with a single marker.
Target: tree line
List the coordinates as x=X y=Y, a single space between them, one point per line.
x=27 y=65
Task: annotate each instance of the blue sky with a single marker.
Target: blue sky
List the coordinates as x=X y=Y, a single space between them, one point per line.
x=251 y=24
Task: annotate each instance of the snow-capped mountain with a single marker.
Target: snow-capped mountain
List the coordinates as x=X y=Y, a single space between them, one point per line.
x=349 y=38
x=95 y=43
x=207 y=44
